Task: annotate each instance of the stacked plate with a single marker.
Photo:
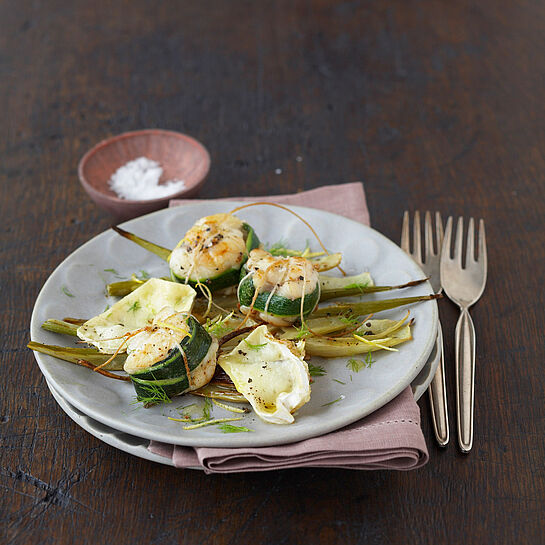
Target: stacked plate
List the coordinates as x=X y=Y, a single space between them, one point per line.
x=106 y=408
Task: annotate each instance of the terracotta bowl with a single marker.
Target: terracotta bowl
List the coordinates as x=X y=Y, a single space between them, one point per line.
x=181 y=157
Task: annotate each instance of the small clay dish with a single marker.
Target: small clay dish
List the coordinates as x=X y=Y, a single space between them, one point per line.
x=182 y=158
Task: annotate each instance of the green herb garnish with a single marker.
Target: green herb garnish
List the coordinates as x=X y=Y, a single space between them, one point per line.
x=281 y=248
x=107 y=308
x=349 y=320
x=303 y=332
x=143 y=275
x=254 y=346
x=207 y=408
x=187 y=414
x=316 y=370
x=340 y=398
x=357 y=365
x=278 y=248
x=357 y=286
x=134 y=307
x=153 y=394
x=210 y=423
x=218 y=326
x=114 y=272
x=66 y=291
x=183 y=409
x=340 y=381
x=229 y=428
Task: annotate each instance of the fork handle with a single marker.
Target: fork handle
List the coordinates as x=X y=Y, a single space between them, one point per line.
x=465 y=378
x=438 y=398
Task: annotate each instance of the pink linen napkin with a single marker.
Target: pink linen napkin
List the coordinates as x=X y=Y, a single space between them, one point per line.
x=389 y=438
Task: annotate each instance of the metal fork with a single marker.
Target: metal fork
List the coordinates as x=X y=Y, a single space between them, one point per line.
x=464 y=286
x=430 y=266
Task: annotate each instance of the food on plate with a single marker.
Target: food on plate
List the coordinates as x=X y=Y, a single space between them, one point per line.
x=167 y=337
x=174 y=356
x=213 y=251
x=370 y=336
x=270 y=373
x=278 y=290
x=109 y=330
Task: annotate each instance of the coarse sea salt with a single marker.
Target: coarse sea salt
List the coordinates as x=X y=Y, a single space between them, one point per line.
x=138 y=180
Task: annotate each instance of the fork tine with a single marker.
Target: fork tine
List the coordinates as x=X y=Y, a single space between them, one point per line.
x=482 y=244
x=417 y=252
x=445 y=254
x=470 y=251
x=439 y=231
x=428 y=238
x=405 y=232
x=459 y=241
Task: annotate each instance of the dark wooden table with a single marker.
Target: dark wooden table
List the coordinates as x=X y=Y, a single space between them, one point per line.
x=434 y=105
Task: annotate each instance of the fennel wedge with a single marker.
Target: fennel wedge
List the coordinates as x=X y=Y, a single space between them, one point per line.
x=363 y=308
x=73 y=355
x=351 y=346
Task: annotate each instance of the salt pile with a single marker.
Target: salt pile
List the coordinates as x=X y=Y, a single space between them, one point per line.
x=138 y=180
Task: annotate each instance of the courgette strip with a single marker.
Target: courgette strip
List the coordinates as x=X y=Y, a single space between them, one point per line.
x=170 y=375
x=276 y=305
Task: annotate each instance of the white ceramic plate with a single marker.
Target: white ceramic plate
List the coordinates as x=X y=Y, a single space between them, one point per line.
x=138 y=446
x=84 y=275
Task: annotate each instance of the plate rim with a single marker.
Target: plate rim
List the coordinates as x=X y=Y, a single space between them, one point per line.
x=114 y=438
x=230 y=441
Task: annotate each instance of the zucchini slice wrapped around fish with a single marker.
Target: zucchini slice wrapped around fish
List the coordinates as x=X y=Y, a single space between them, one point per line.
x=288 y=287
x=176 y=356
x=213 y=251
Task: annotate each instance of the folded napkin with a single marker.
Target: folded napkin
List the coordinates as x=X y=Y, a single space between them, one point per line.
x=389 y=438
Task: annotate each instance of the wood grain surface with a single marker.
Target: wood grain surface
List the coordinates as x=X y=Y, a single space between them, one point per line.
x=433 y=104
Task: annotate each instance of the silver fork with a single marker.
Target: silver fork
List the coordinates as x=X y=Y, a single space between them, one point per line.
x=430 y=266
x=464 y=286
